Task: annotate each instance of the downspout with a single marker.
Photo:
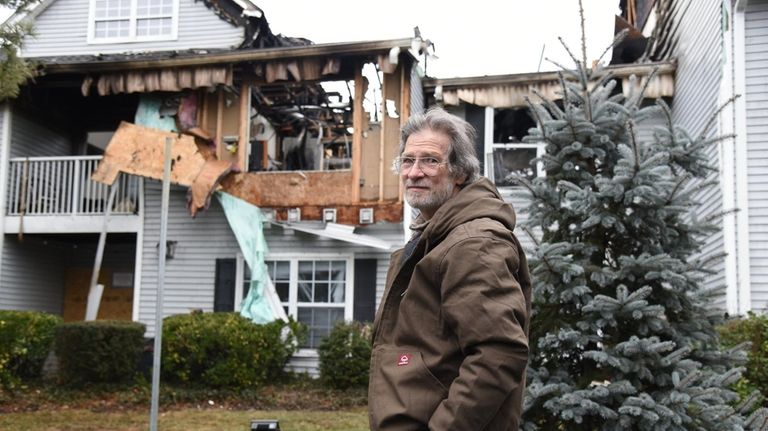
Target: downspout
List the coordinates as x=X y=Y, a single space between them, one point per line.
x=138 y=265
x=5 y=155
x=742 y=196
x=727 y=173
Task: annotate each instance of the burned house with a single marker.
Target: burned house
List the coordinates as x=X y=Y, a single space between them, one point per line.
x=304 y=131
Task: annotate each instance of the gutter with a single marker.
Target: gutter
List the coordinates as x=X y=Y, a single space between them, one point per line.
x=238 y=56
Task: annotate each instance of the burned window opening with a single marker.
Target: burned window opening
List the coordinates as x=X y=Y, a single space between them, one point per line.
x=510 y=157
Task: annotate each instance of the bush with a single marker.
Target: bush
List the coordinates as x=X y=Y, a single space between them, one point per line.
x=25 y=341
x=99 y=351
x=345 y=355
x=226 y=350
x=753 y=328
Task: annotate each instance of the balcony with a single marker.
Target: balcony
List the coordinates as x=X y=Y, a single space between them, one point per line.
x=56 y=195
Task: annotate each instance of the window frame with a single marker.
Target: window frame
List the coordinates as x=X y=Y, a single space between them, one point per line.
x=293 y=288
x=132 y=26
x=490 y=146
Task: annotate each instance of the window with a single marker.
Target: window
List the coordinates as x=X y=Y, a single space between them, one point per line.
x=509 y=159
x=132 y=20
x=506 y=155
x=315 y=291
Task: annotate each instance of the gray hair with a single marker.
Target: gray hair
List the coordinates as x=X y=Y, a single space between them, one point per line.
x=462 y=159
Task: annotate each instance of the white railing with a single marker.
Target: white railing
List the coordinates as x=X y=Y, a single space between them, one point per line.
x=62 y=186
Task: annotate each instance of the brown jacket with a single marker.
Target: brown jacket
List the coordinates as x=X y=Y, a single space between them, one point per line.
x=450 y=340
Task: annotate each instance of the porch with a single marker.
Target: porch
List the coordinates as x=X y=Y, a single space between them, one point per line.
x=56 y=195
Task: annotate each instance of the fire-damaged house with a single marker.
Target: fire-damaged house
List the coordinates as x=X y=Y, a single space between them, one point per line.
x=294 y=128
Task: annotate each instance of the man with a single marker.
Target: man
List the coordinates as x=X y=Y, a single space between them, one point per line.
x=450 y=340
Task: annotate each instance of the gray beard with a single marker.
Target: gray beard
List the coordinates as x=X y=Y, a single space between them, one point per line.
x=433 y=200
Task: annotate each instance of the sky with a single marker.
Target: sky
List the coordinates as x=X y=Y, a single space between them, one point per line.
x=475 y=38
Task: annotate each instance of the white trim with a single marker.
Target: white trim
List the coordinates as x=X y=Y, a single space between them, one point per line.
x=132 y=23
x=138 y=265
x=742 y=197
x=342 y=233
x=488 y=140
x=5 y=152
x=71 y=224
x=726 y=177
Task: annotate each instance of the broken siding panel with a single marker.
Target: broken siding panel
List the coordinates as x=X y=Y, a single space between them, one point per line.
x=697 y=87
x=756 y=41
x=31 y=139
x=24 y=286
x=62 y=30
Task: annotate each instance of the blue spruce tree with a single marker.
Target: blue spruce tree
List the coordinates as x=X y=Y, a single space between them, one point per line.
x=622 y=334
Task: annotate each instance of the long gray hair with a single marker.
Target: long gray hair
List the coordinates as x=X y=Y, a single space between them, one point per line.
x=462 y=159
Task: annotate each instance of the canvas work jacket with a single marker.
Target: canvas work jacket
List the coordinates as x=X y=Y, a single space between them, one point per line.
x=450 y=339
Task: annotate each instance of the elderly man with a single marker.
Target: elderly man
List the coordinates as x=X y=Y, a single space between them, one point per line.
x=450 y=341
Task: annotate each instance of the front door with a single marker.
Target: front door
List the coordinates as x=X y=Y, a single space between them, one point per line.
x=116 y=301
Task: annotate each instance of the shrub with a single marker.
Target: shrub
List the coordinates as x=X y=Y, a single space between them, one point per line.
x=99 y=351
x=345 y=355
x=226 y=350
x=753 y=328
x=25 y=341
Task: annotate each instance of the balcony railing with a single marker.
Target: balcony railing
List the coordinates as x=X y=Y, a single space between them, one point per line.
x=62 y=186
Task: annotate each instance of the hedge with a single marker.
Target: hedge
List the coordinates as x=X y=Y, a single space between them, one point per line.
x=26 y=338
x=226 y=350
x=102 y=351
x=345 y=355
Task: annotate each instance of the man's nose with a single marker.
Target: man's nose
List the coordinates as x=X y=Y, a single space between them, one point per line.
x=415 y=171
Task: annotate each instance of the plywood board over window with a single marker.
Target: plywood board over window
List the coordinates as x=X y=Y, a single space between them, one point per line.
x=116 y=302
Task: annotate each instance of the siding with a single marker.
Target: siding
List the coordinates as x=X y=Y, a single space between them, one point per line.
x=62 y=29
x=756 y=48
x=31 y=139
x=697 y=85
x=25 y=286
x=33 y=275
x=189 y=277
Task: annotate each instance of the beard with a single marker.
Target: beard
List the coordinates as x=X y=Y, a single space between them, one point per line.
x=431 y=200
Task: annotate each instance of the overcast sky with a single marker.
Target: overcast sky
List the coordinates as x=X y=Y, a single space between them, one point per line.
x=482 y=37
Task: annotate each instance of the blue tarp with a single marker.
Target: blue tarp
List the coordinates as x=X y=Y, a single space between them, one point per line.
x=261 y=305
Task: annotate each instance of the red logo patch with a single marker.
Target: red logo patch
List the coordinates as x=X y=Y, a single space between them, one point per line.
x=404 y=359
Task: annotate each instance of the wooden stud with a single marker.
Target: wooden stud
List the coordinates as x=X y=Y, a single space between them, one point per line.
x=357 y=136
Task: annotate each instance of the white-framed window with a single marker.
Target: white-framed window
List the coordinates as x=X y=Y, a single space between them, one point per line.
x=504 y=153
x=115 y=21
x=514 y=158
x=315 y=290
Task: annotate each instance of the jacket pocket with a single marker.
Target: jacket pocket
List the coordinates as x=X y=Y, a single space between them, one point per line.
x=403 y=392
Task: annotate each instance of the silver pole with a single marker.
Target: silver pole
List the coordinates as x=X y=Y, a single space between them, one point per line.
x=160 y=285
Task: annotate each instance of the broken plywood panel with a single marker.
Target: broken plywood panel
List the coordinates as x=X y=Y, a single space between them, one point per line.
x=141 y=151
x=292 y=188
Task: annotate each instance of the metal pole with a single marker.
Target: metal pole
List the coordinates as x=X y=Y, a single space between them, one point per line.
x=160 y=285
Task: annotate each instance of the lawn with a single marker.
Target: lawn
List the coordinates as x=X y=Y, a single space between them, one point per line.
x=301 y=404
x=183 y=420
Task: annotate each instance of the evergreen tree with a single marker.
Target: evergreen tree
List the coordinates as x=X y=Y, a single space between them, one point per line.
x=622 y=334
x=14 y=71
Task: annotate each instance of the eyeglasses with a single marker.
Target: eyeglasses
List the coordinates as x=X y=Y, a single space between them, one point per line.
x=427 y=165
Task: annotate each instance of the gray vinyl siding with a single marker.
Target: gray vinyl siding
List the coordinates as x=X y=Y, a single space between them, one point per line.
x=32 y=275
x=756 y=41
x=62 y=29
x=32 y=139
x=697 y=84
x=417 y=92
x=189 y=276
x=34 y=268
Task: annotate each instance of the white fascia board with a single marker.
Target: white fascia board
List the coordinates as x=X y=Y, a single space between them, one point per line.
x=340 y=232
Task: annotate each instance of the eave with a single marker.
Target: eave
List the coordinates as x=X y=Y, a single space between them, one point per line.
x=367 y=48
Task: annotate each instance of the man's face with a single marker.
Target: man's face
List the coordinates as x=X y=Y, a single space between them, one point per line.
x=428 y=191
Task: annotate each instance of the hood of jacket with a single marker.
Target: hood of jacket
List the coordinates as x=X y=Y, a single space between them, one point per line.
x=476 y=200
